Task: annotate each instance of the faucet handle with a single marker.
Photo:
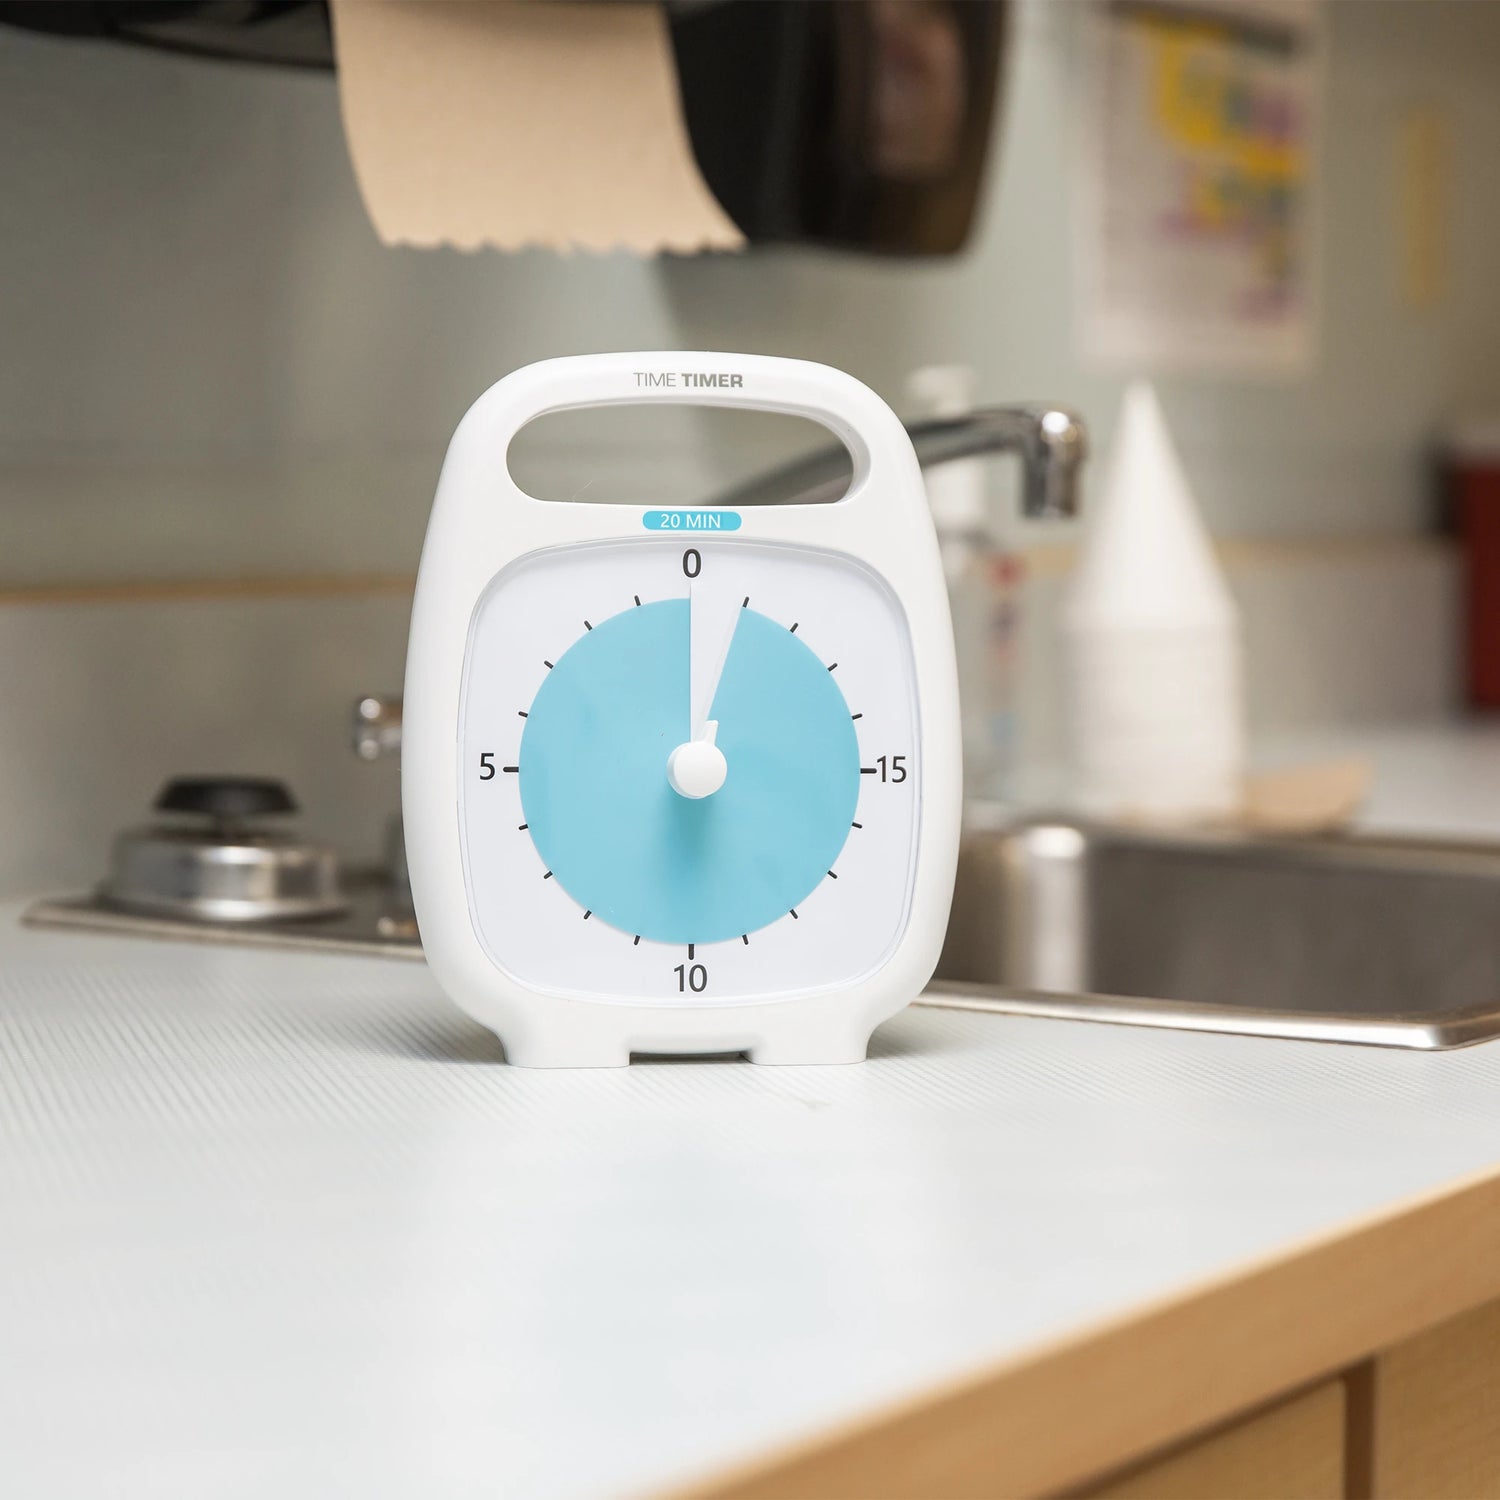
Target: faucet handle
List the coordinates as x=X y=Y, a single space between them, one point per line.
x=1052 y=468
x=376 y=728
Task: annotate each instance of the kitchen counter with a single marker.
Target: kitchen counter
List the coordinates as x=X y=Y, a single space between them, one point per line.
x=1435 y=781
x=281 y=1224
x=1431 y=781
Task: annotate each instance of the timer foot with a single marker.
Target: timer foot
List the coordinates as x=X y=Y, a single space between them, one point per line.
x=566 y=1052
x=801 y=1049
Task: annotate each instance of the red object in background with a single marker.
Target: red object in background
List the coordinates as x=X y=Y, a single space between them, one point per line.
x=1474 y=471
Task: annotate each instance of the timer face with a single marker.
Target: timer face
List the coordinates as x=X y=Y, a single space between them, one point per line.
x=688 y=770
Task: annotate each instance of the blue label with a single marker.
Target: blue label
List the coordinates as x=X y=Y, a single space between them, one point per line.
x=691 y=520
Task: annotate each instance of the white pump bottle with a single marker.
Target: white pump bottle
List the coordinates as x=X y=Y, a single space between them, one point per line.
x=983 y=592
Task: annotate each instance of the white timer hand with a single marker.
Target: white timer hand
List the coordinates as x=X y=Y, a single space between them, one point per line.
x=712 y=620
x=697 y=767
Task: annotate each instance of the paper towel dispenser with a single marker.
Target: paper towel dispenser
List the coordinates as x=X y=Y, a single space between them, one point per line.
x=291 y=33
x=864 y=126
x=821 y=122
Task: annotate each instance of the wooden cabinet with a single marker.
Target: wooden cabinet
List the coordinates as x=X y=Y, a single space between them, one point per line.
x=1294 y=1451
x=1421 y=1421
x=1417 y=1420
x=1436 y=1413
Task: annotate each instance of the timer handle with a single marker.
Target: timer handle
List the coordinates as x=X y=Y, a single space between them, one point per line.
x=886 y=474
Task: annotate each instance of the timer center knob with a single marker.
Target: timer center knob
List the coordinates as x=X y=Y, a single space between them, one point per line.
x=696 y=768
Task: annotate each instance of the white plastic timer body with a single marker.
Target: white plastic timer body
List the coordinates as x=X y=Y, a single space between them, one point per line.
x=681 y=780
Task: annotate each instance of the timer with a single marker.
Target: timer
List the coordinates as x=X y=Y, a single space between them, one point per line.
x=681 y=780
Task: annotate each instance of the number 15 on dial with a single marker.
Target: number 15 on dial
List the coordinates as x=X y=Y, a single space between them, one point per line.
x=681 y=781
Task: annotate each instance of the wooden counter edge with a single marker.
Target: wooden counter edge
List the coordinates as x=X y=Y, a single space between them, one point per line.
x=1108 y=1394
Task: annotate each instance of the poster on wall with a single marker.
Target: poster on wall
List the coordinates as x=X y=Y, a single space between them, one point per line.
x=1197 y=230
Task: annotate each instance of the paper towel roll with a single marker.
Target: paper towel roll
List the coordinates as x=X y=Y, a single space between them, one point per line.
x=502 y=123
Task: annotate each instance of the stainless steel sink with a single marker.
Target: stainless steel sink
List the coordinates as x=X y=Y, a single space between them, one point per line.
x=1389 y=942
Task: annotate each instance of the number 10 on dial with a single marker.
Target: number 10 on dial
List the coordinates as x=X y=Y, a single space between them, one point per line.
x=672 y=792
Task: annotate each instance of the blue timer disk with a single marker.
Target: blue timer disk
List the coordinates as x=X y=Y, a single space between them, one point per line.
x=618 y=838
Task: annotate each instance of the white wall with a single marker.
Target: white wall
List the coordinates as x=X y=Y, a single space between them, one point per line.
x=208 y=366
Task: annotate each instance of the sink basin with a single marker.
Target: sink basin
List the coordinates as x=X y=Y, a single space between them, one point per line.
x=1354 y=939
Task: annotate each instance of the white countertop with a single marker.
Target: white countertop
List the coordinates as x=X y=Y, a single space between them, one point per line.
x=279 y=1224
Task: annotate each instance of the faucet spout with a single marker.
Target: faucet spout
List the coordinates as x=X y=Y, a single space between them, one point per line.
x=1051 y=442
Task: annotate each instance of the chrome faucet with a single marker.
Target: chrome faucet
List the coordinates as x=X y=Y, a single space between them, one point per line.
x=1051 y=442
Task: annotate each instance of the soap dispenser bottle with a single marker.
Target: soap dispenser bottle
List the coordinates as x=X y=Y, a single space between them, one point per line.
x=1153 y=641
x=983 y=589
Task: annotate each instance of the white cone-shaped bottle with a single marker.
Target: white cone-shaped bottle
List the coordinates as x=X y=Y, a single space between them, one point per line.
x=1153 y=641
